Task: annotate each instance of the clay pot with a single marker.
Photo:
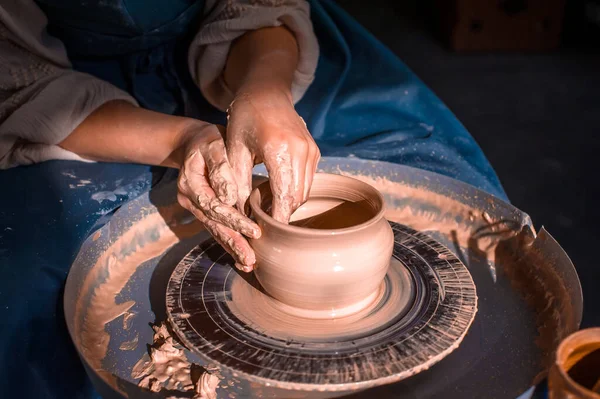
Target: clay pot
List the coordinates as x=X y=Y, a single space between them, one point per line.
x=331 y=259
x=576 y=371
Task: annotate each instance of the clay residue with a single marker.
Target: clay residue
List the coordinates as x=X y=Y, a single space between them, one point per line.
x=533 y=274
x=104 y=196
x=266 y=314
x=130 y=345
x=167 y=368
x=97 y=305
x=151 y=236
x=128 y=319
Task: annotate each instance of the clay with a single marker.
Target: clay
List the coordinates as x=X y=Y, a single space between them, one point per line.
x=167 y=368
x=576 y=371
x=332 y=259
x=277 y=320
x=130 y=345
x=482 y=234
x=131 y=255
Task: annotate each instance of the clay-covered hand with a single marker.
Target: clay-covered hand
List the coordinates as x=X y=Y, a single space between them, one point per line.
x=263 y=126
x=208 y=189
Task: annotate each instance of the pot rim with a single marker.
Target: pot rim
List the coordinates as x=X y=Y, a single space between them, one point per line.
x=565 y=349
x=256 y=208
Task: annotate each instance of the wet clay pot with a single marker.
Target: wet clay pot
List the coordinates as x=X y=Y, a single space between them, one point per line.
x=576 y=371
x=330 y=261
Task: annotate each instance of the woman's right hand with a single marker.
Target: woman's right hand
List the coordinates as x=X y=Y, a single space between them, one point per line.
x=207 y=188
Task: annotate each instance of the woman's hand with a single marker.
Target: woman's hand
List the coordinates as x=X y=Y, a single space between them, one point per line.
x=263 y=126
x=208 y=189
x=120 y=132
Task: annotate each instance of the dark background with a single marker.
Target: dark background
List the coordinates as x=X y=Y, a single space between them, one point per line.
x=535 y=114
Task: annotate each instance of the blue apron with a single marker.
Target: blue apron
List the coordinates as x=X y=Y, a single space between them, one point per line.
x=364 y=102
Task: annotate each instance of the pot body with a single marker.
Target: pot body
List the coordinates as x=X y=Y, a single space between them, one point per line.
x=321 y=272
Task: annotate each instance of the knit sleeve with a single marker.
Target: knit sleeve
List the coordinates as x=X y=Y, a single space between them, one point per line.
x=226 y=20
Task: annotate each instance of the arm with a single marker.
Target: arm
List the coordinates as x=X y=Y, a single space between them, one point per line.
x=42 y=99
x=226 y=22
x=48 y=111
x=256 y=59
x=121 y=132
x=264 y=58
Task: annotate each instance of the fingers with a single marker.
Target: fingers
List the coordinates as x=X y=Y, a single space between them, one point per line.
x=209 y=158
x=291 y=166
x=282 y=176
x=299 y=173
x=241 y=163
x=220 y=174
x=314 y=156
x=232 y=241
x=236 y=245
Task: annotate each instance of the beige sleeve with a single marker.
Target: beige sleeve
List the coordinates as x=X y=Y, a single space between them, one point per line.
x=226 y=20
x=42 y=100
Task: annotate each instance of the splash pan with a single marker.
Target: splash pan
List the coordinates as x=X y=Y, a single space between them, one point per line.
x=529 y=297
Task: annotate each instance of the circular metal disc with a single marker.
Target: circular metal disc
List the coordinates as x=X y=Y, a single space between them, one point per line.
x=418 y=333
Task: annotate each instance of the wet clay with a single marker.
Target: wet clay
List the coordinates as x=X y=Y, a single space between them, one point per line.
x=119 y=262
x=267 y=315
x=288 y=351
x=330 y=261
x=167 y=368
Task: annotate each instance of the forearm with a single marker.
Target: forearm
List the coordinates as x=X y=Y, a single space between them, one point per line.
x=265 y=57
x=120 y=132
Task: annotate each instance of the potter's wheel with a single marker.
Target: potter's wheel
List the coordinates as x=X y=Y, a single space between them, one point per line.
x=422 y=311
x=529 y=296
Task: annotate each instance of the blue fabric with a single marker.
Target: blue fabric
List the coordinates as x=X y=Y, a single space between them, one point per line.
x=364 y=102
x=44 y=218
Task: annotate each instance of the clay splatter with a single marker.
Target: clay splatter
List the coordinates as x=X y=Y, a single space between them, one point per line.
x=130 y=345
x=104 y=195
x=128 y=319
x=167 y=368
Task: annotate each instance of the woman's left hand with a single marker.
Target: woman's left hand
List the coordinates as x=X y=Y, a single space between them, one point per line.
x=263 y=126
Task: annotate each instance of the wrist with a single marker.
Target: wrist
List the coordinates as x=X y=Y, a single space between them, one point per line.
x=186 y=134
x=180 y=139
